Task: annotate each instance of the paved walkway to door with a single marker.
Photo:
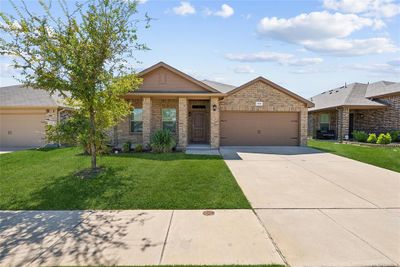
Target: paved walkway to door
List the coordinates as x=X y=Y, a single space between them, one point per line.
x=321 y=209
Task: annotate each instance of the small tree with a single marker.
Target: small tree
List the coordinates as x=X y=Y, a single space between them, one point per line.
x=83 y=54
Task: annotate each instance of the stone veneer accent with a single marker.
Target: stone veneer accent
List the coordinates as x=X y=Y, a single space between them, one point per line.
x=214 y=122
x=147 y=120
x=183 y=123
x=274 y=101
x=343 y=123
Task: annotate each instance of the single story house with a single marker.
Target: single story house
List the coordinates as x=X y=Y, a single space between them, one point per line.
x=24 y=112
x=259 y=112
x=372 y=107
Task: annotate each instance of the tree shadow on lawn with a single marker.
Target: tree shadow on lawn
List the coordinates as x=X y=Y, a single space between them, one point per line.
x=172 y=156
x=69 y=192
x=74 y=237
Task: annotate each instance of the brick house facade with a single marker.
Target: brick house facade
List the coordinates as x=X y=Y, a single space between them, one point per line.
x=197 y=110
x=381 y=116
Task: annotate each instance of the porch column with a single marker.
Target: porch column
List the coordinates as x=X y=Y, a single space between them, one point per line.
x=303 y=126
x=183 y=123
x=146 y=116
x=214 y=122
x=343 y=123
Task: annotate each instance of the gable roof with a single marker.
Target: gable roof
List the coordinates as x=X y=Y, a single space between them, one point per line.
x=350 y=95
x=382 y=88
x=274 y=85
x=179 y=73
x=222 y=87
x=20 y=96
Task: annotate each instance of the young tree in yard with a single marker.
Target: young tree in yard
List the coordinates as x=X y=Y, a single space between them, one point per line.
x=82 y=54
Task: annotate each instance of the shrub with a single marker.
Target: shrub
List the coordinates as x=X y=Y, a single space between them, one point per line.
x=371 y=138
x=384 y=139
x=127 y=147
x=162 y=141
x=360 y=136
x=395 y=135
x=138 y=148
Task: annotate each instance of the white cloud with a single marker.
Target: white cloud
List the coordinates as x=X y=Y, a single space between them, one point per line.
x=380 y=8
x=352 y=47
x=185 y=8
x=244 y=69
x=281 y=58
x=377 y=68
x=327 y=33
x=314 y=26
x=258 y=57
x=225 y=12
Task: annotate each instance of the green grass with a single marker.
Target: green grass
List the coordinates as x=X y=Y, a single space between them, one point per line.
x=385 y=157
x=46 y=180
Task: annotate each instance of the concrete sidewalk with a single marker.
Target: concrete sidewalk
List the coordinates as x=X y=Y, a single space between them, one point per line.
x=134 y=237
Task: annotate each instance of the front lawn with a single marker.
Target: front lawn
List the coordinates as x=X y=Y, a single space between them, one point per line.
x=385 y=157
x=46 y=180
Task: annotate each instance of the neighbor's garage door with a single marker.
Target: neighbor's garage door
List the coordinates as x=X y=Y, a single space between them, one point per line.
x=21 y=130
x=259 y=128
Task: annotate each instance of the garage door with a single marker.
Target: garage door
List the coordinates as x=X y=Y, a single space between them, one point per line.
x=259 y=128
x=21 y=130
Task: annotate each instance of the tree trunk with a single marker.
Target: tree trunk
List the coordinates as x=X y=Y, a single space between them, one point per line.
x=92 y=138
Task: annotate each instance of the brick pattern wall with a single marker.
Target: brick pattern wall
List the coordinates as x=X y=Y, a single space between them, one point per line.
x=379 y=120
x=122 y=132
x=274 y=100
x=214 y=123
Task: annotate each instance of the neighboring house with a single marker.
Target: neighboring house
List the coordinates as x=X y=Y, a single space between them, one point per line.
x=259 y=112
x=373 y=107
x=24 y=112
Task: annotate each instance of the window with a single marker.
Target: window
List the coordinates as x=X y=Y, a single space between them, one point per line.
x=324 y=122
x=137 y=120
x=169 y=119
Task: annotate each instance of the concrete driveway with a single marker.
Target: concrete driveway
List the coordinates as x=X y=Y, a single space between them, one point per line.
x=321 y=209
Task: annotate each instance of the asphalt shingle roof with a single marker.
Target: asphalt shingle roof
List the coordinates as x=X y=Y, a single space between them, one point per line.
x=20 y=96
x=350 y=95
x=382 y=88
x=222 y=87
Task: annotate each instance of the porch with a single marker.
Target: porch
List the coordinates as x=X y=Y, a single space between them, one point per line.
x=192 y=120
x=340 y=122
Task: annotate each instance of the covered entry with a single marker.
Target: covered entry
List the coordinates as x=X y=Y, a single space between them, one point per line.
x=259 y=128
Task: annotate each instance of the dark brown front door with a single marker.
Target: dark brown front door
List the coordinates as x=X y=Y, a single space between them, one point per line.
x=199 y=127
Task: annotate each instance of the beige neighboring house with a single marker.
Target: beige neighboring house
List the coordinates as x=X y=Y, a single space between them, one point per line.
x=24 y=112
x=372 y=107
x=257 y=113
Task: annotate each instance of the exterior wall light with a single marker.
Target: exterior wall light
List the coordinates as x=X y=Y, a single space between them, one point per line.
x=214 y=107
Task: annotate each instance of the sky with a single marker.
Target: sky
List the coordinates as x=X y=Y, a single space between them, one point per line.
x=305 y=46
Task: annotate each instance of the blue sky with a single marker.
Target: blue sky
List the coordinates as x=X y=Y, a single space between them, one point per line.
x=305 y=46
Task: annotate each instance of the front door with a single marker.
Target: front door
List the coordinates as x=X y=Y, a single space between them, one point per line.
x=351 y=125
x=199 y=134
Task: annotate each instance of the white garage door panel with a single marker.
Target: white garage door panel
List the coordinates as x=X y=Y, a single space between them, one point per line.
x=22 y=130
